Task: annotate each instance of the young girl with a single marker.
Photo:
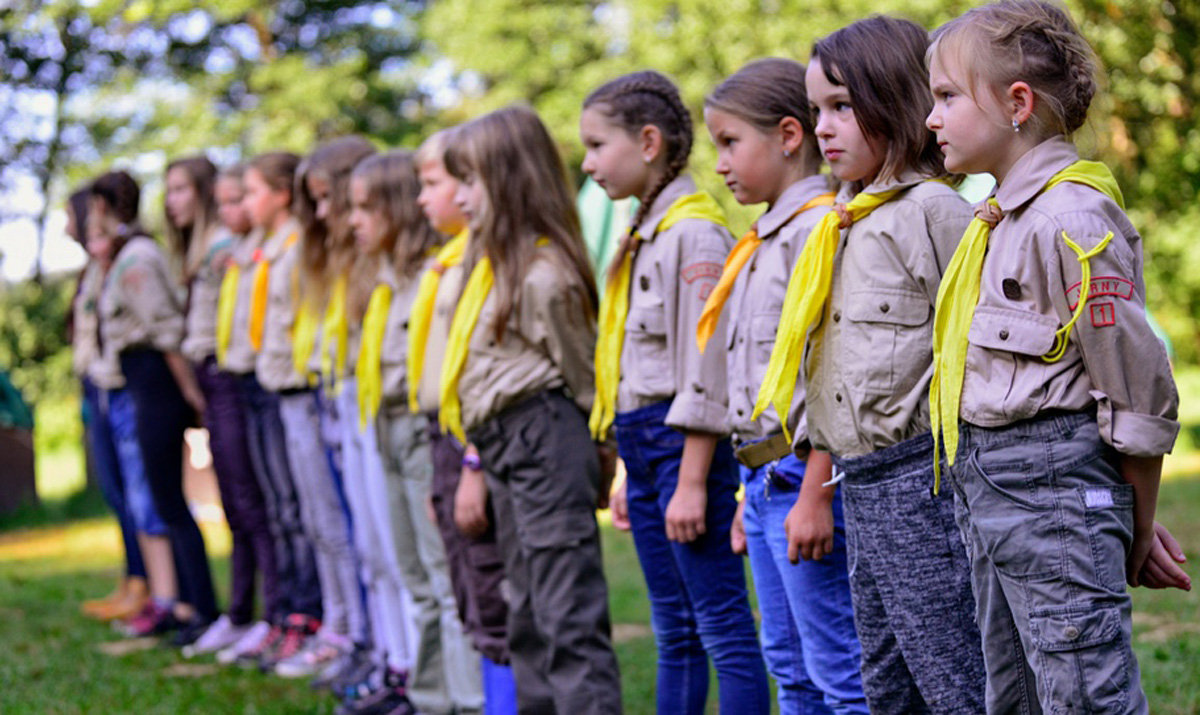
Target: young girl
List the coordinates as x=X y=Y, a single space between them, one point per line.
x=397 y=243
x=767 y=152
x=865 y=283
x=1043 y=350
x=517 y=377
x=141 y=323
x=669 y=400
x=203 y=246
x=459 y=490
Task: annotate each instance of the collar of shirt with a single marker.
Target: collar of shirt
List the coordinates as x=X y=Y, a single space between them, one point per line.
x=1029 y=176
x=681 y=186
x=275 y=246
x=907 y=179
x=792 y=198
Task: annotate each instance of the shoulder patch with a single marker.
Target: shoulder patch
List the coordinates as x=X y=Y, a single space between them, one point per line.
x=1103 y=314
x=1102 y=285
x=701 y=269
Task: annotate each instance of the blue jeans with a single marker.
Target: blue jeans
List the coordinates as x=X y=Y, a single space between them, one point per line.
x=139 y=500
x=808 y=634
x=108 y=474
x=698 y=597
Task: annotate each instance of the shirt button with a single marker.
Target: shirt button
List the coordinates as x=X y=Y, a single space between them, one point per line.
x=884 y=307
x=741 y=339
x=1004 y=335
x=1071 y=633
x=741 y=412
x=838 y=397
x=753 y=266
x=644 y=282
x=837 y=317
x=698 y=388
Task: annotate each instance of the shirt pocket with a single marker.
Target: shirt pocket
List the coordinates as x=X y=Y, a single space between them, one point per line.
x=887 y=343
x=650 y=366
x=1004 y=353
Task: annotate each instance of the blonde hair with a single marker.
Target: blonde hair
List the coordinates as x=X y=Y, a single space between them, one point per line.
x=1029 y=41
x=529 y=197
x=434 y=147
x=188 y=244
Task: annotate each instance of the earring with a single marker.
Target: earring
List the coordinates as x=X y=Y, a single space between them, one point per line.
x=645 y=160
x=1016 y=125
x=787 y=152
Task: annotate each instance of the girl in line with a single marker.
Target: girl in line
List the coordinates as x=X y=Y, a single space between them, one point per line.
x=397 y=243
x=1044 y=353
x=203 y=247
x=860 y=306
x=793 y=525
x=668 y=399
x=142 y=324
x=517 y=377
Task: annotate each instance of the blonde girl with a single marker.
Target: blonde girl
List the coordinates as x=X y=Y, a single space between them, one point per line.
x=517 y=378
x=1051 y=393
x=667 y=400
x=859 y=307
x=791 y=523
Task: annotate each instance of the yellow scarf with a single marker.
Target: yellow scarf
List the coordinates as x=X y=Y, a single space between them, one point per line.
x=369 y=370
x=807 y=292
x=958 y=296
x=259 y=293
x=614 y=309
x=226 y=305
x=466 y=315
x=741 y=253
x=304 y=338
x=421 y=316
x=335 y=333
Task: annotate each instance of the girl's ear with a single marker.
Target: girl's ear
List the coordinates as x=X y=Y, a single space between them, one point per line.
x=1021 y=102
x=650 y=143
x=791 y=135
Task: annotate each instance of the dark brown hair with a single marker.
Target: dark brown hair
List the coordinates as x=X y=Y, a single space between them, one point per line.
x=121 y=193
x=182 y=240
x=78 y=202
x=277 y=169
x=763 y=93
x=881 y=63
x=529 y=196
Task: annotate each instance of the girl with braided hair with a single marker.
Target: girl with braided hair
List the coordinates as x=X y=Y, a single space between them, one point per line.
x=668 y=400
x=1053 y=397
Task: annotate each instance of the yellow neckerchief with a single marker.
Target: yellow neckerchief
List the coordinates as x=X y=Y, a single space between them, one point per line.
x=304 y=338
x=958 y=295
x=226 y=306
x=368 y=372
x=738 y=257
x=466 y=315
x=807 y=292
x=335 y=333
x=614 y=308
x=421 y=316
x=259 y=293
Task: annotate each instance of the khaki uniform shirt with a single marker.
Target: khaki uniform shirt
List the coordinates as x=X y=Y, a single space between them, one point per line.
x=200 y=340
x=240 y=355
x=673 y=273
x=550 y=343
x=85 y=343
x=394 y=361
x=274 y=366
x=870 y=361
x=754 y=309
x=429 y=392
x=141 y=304
x=1030 y=286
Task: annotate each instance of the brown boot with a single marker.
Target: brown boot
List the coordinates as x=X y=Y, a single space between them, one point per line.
x=137 y=593
x=96 y=607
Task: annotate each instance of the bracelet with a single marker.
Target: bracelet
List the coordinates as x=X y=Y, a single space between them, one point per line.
x=472 y=462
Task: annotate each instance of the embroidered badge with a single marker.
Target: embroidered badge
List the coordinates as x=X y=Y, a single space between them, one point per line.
x=696 y=271
x=1103 y=314
x=1102 y=285
x=1097 y=498
x=706 y=289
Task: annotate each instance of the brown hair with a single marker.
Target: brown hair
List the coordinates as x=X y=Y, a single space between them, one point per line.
x=78 y=203
x=392 y=188
x=881 y=63
x=327 y=249
x=121 y=194
x=1027 y=41
x=277 y=169
x=763 y=93
x=529 y=196
x=187 y=244
x=236 y=172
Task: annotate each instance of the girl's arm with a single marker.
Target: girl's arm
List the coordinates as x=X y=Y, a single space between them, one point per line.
x=809 y=523
x=470 y=499
x=185 y=377
x=1143 y=473
x=688 y=508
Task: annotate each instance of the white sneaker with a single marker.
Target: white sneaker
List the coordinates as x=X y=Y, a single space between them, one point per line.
x=221 y=634
x=315 y=656
x=250 y=638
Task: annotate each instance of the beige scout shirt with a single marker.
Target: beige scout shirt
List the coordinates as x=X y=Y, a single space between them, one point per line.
x=1030 y=285
x=141 y=304
x=870 y=361
x=673 y=273
x=274 y=366
x=394 y=360
x=754 y=307
x=240 y=355
x=429 y=393
x=550 y=343
x=200 y=340
x=85 y=343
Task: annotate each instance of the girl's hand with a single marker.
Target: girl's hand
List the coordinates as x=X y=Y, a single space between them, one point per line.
x=1143 y=542
x=737 y=531
x=619 y=506
x=686 y=512
x=607 y=454
x=470 y=503
x=809 y=527
x=1161 y=568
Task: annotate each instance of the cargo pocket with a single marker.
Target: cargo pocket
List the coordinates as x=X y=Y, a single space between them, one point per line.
x=886 y=349
x=1082 y=659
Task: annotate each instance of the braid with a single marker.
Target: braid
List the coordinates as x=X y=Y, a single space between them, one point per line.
x=632 y=102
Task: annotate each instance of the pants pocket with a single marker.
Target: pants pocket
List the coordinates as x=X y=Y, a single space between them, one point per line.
x=1082 y=659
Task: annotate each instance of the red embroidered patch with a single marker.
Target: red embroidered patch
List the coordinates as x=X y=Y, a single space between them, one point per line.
x=1102 y=285
x=706 y=289
x=696 y=271
x=1103 y=314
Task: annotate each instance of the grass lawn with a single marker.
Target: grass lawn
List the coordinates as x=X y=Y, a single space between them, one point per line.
x=56 y=661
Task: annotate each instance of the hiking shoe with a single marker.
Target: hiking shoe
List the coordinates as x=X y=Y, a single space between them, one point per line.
x=266 y=645
x=152 y=621
x=298 y=629
x=319 y=652
x=218 y=635
x=248 y=640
